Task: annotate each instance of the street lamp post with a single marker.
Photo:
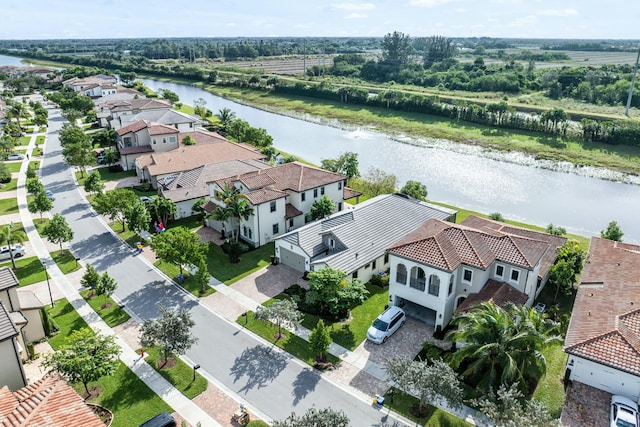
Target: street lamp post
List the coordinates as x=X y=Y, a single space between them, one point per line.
x=46 y=273
x=195 y=368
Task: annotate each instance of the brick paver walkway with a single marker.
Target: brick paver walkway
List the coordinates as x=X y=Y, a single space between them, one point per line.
x=585 y=406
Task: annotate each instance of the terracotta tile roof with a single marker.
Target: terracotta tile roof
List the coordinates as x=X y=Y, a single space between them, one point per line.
x=160 y=129
x=204 y=137
x=192 y=156
x=349 y=193
x=49 y=402
x=445 y=245
x=490 y=226
x=133 y=127
x=499 y=293
x=209 y=207
x=605 y=322
x=136 y=150
x=291 y=211
x=8 y=279
x=264 y=195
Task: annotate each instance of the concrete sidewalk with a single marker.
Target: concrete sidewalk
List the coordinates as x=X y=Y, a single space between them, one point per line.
x=181 y=404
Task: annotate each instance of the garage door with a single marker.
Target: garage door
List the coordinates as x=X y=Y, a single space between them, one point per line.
x=292 y=259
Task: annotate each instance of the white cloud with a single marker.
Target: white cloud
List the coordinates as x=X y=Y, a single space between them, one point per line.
x=354 y=6
x=558 y=12
x=356 y=16
x=429 y=3
x=461 y=10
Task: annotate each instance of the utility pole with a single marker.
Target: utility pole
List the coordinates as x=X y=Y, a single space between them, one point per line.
x=633 y=82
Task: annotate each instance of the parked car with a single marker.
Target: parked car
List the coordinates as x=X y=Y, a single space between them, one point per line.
x=624 y=412
x=386 y=324
x=50 y=195
x=163 y=419
x=18 y=251
x=15 y=156
x=147 y=199
x=100 y=159
x=540 y=307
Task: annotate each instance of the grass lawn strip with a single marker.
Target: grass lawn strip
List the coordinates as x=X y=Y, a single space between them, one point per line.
x=291 y=343
x=127 y=396
x=10 y=186
x=228 y=273
x=180 y=376
x=8 y=206
x=402 y=403
x=112 y=314
x=128 y=236
x=66 y=261
x=29 y=270
x=189 y=283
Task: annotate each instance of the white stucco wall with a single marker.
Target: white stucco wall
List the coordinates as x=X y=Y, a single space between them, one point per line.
x=11 y=372
x=603 y=377
x=162 y=143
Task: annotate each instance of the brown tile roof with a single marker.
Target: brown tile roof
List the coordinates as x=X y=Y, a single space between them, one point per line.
x=136 y=150
x=554 y=242
x=133 y=127
x=499 y=293
x=291 y=211
x=605 y=322
x=160 y=129
x=264 y=195
x=445 y=245
x=350 y=193
x=137 y=104
x=192 y=156
x=204 y=137
x=8 y=279
x=49 y=402
x=209 y=206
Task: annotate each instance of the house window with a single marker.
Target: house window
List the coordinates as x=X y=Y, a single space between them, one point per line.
x=291 y=222
x=339 y=206
x=354 y=275
x=172 y=139
x=275 y=228
x=244 y=231
x=164 y=140
x=322 y=190
x=250 y=236
x=386 y=259
x=515 y=275
x=340 y=185
x=467 y=276
x=401 y=274
x=450 y=285
x=154 y=142
x=303 y=196
x=434 y=285
x=127 y=141
x=373 y=265
x=418 y=279
x=368 y=265
x=273 y=206
x=190 y=125
x=315 y=192
x=500 y=271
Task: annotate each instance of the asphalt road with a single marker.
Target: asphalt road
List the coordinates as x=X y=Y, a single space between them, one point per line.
x=271 y=381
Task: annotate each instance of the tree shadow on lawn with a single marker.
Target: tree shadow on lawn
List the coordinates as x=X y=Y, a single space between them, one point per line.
x=343 y=336
x=259 y=365
x=304 y=384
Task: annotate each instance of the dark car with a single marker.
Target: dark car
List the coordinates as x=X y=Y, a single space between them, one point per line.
x=163 y=419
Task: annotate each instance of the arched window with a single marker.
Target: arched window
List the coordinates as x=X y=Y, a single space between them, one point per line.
x=434 y=285
x=450 y=285
x=418 y=278
x=401 y=274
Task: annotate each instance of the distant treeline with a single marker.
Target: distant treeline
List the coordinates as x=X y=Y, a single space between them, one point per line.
x=591 y=47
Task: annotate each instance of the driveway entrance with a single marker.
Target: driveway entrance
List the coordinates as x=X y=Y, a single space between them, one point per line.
x=421 y=313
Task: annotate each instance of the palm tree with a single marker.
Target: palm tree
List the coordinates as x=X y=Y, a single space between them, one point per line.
x=226 y=116
x=18 y=111
x=16 y=237
x=240 y=210
x=501 y=346
x=235 y=208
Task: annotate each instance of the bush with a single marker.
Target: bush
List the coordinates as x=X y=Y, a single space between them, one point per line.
x=429 y=352
x=380 y=281
x=30 y=350
x=115 y=168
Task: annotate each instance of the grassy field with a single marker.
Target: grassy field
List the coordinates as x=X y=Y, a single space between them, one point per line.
x=112 y=314
x=181 y=375
x=228 y=273
x=130 y=399
x=29 y=270
x=14 y=166
x=105 y=175
x=619 y=158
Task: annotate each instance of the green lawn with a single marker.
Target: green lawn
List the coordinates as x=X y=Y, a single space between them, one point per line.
x=10 y=186
x=131 y=401
x=181 y=375
x=35 y=164
x=351 y=333
x=193 y=223
x=40 y=140
x=23 y=140
x=13 y=166
x=39 y=223
x=29 y=270
x=66 y=261
x=437 y=418
x=8 y=206
x=106 y=175
x=228 y=273
x=128 y=236
x=291 y=343
x=112 y=314
x=189 y=283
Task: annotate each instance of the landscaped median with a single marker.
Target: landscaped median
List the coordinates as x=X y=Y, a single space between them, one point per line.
x=127 y=396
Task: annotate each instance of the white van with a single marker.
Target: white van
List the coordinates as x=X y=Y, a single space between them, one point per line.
x=386 y=324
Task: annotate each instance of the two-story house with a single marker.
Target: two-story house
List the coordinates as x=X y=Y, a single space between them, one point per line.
x=281 y=198
x=441 y=268
x=355 y=240
x=79 y=84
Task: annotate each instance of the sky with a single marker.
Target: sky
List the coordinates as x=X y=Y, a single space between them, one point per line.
x=65 y=19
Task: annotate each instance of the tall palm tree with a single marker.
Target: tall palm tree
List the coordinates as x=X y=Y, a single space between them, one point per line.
x=235 y=207
x=240 y=210
x=18 y=111
x=6 y=235
x=501 y=346
x=226 y=116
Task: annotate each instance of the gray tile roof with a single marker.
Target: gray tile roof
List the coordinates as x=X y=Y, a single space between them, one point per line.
x=165 y=117
x=8 y=280
x=363 y=233
x=7 y=328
